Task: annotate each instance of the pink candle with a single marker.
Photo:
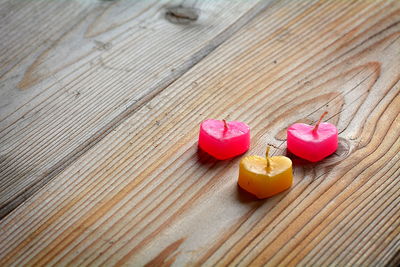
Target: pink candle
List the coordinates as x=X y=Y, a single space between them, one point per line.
x=312 y=143
x=224 y=140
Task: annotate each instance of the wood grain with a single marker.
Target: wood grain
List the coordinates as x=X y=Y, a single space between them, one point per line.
x=144 y=194
x=72 y=70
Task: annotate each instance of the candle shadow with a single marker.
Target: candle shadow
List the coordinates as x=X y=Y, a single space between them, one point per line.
x=298 y=161
x=245 y=197
x=204 y=158
x=207 y=160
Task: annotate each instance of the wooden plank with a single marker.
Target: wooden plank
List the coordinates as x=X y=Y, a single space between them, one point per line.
x=71 y=70
x=145 y=195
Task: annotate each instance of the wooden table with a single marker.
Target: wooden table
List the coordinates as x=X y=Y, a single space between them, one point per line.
x=100 y=107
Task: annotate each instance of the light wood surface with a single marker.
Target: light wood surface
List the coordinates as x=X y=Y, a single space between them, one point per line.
x=66 y=86
x=141 y=192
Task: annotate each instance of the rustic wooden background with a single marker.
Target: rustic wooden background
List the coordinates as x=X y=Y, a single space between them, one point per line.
x=100 y=106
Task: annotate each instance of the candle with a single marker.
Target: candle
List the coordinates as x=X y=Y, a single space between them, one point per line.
x=265 y=177
x=312 y=143
x=224 y=140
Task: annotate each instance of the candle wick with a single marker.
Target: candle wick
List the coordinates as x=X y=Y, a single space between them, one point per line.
x=225 y=125
x=319 y=121
x=267 y=157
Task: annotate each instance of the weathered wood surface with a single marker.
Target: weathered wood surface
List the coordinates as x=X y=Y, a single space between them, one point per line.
x=72 y=70
x=144 y=194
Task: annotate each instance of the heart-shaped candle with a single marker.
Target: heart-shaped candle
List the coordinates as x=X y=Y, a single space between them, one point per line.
x=224 y=140
x=265 y=177
x=312 y=143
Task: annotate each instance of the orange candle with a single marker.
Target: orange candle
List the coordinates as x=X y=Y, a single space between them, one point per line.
x=265 y=177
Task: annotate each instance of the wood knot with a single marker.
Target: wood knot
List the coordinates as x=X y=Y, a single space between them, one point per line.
x=181 y=15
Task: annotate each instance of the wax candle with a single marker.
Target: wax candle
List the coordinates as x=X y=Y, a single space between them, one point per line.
x=312 y=143
x=224 y=140
x=265 y=177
